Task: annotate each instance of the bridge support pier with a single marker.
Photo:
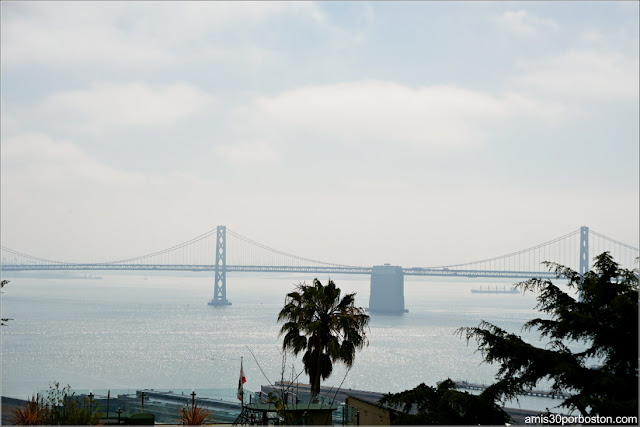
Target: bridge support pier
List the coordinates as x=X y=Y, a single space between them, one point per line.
x=387 y=290
x=220 y=285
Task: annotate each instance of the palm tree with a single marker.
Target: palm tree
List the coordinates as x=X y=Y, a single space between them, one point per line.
x=330 y=329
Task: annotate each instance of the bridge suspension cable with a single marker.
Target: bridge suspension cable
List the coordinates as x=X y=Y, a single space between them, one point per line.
x=564 y=250
x=37 y=260
x=623 y=254
x=282 y=253
x=199 y=253
x=166 y=251
x=602 y=236
x=513 y=254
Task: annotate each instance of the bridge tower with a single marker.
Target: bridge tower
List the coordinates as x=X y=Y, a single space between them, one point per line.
x=584 y=250
x=584 y=254
x=386 y=293
x=220 y=285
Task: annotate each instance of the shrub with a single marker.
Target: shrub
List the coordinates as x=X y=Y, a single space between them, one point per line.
x=32 y=414
x=194 y=415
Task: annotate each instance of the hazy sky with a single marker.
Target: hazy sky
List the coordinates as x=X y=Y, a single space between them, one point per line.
x=415 y=133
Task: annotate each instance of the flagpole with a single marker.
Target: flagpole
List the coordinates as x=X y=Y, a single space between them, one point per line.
x=241 y=381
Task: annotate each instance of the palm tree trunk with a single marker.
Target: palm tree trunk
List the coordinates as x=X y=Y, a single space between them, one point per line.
x=315 y=387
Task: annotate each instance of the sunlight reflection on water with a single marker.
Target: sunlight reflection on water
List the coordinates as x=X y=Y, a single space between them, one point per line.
x=127 y=332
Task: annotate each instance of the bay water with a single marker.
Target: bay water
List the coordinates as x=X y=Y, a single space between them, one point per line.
x=128 y=331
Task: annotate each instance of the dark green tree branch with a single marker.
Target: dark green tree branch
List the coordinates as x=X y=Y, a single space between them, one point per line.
x=443 y=405
x=605 y=319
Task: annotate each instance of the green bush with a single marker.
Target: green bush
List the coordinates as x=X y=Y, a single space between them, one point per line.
x=61 y=406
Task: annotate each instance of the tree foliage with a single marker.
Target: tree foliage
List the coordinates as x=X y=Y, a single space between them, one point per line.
x=327 y=328
x=3 y=320
x=59 y=407
x=443 y=405
x=604 y=319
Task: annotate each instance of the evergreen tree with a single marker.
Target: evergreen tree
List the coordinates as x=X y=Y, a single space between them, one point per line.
x=604 y=319
x=443 y=405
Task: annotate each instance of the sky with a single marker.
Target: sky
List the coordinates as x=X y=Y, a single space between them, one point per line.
x=414 y=133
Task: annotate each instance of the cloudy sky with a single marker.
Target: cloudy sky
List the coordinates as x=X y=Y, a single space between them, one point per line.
x=416 y=133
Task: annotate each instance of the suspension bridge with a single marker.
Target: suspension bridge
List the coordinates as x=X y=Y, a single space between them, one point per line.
x=233 y=252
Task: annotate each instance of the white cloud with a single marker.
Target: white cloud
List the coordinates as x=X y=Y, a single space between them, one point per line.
x=415 y=225
x=58 y=34
x=61 y=202
x=10 y=122
x=37 y=162
x=105 y=105
x=248 y=154
x=584 y=73
x=521 y=22
x=140 y=34
x=594 y=37
x=442 y=117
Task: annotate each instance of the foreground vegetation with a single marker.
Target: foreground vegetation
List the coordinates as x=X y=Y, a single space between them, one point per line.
x=604 y=320
x=60 y=406
x=194 y=415
x=327 y=328
x=4 y=319
x=443 y=405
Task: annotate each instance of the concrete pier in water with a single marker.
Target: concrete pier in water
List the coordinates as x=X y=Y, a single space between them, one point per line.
x=387 y=290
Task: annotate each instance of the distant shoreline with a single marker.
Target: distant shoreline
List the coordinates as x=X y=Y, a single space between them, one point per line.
x=46 y=275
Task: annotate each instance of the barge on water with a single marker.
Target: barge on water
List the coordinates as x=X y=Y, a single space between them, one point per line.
x=496 y=290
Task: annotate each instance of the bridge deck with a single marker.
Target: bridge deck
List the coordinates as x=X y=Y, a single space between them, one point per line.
x=437 y=272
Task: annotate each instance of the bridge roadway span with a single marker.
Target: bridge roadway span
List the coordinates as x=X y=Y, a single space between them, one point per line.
x=413 y=271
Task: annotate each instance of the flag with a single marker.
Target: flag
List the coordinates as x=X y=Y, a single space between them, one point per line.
x=241 y=381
